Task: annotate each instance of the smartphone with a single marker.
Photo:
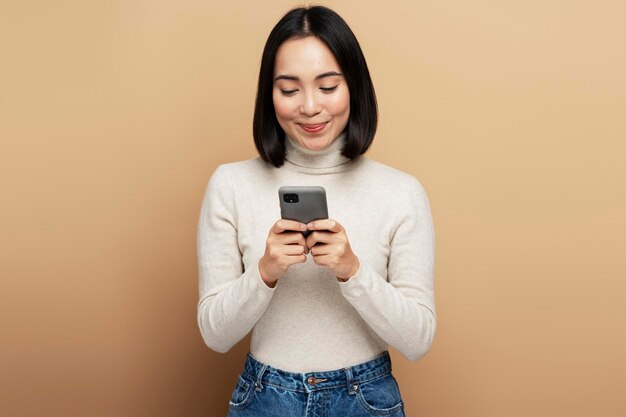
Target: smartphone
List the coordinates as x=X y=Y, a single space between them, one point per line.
x=303 y=203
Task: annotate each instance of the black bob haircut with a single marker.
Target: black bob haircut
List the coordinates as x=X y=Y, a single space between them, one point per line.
x=333 y=31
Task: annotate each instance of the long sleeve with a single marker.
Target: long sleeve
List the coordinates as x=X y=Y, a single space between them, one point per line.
x=402 y=310
x=231 y=300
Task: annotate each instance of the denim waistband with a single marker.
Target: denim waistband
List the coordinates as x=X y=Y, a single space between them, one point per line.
x=348 y=377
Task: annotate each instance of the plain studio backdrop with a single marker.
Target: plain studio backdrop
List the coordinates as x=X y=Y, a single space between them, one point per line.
x=114 y=114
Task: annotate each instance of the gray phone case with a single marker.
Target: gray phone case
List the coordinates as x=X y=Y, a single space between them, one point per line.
x=310 y=205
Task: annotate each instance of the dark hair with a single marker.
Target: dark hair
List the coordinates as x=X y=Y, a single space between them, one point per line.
x=333 y=31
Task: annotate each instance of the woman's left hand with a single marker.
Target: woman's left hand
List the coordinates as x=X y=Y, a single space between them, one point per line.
x=333 y=250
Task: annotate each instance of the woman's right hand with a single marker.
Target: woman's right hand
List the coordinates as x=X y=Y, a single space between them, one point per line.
x=284 y=247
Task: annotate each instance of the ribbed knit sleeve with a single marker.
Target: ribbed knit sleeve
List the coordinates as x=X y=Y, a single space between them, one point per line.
x=401 y=310
x=231 y=300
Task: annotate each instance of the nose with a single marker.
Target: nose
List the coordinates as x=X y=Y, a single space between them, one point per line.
x=311 y=105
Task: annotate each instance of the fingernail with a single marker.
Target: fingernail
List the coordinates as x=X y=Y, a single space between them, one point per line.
x=303 y=226
x=310 y=225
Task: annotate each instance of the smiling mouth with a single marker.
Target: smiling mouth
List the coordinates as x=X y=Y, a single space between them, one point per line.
x=315 y=126
x=314 y=129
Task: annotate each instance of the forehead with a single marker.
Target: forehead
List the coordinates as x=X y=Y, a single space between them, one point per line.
x=304 y=56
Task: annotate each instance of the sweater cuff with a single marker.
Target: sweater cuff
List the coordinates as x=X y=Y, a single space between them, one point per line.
x=262 y=286
x=363 y=284
x=351 y=281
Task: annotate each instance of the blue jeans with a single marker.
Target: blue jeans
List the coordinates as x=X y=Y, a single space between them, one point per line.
x=366 y=389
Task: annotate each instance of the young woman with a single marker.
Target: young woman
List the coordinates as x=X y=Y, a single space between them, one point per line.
x=323 y=309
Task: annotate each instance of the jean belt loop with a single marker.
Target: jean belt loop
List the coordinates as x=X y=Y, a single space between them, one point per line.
x=257 y=384
x=388 y=360
x=352 y=386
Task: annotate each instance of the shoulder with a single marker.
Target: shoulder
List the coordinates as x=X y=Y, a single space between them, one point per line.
x=401 y=192
x=391 y=178
x=229 y=171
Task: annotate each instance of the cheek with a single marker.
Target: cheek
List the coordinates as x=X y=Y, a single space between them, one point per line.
x=282 y=107
x=340 y=104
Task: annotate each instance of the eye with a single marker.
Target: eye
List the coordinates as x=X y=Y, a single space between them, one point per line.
x=288 y=92
x=328 y=89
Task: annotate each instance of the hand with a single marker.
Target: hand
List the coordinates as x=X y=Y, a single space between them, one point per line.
x=284 y=247
x=333 y=248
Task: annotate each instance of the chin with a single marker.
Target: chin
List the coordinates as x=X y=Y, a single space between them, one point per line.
x=316 y=143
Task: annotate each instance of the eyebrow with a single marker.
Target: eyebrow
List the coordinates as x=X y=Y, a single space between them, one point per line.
x=294 y=78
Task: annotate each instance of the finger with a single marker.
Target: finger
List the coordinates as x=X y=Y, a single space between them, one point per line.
x=325 y=224
x=289 y=237
x=294 y=250
x=323 y=260
x=285 y=224
x=319 y=237
x=320 y=250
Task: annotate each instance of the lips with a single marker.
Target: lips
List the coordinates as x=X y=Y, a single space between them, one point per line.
x=313 y=128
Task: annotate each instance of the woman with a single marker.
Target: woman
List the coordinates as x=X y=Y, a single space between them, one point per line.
x=324 y=309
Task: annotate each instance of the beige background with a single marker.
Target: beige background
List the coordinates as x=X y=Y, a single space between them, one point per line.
x=113 y=115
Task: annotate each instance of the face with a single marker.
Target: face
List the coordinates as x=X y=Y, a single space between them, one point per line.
x=310 y=93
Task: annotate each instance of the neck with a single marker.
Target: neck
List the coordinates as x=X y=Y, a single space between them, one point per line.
x=322 y=161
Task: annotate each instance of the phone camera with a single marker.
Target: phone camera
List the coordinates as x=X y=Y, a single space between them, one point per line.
x=290 y=198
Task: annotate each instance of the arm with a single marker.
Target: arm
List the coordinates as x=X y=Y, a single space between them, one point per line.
x=231 y=300
x=401 y=311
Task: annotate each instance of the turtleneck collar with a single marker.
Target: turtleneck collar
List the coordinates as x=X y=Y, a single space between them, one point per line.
x=323 y=161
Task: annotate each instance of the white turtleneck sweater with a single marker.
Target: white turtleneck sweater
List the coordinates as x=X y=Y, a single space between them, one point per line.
x=311 y=321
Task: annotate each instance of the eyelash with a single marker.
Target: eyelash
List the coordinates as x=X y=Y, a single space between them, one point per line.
x=326 y=90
